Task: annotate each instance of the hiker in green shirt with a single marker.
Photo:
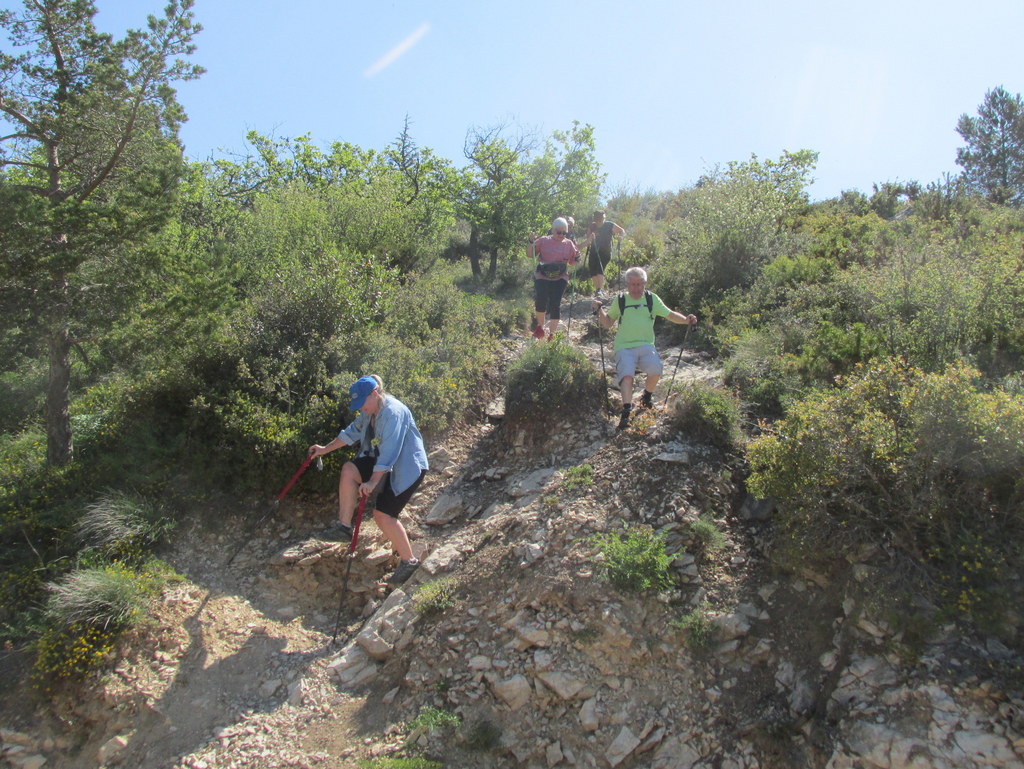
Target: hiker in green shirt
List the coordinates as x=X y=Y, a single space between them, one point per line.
x=635 y=311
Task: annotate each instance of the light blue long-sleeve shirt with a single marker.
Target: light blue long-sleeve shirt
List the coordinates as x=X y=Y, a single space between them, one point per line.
x=395 y=437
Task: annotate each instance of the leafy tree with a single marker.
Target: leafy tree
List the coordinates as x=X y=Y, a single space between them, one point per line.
x=88 y=163
x=993 y=158
x=508 y=190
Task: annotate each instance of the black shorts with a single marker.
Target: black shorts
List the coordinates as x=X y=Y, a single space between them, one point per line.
x=598 y=259
x=387 y=502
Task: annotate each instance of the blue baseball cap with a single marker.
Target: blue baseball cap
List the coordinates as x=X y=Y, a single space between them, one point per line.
x=360 y=391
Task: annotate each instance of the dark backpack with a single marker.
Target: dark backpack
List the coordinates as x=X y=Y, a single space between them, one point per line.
x=650 y=304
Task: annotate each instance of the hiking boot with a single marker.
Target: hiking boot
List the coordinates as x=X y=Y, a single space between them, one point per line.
x=339 y=532
x=538 y=333
x=403 y=572
x=647 y=400
x=624 y=419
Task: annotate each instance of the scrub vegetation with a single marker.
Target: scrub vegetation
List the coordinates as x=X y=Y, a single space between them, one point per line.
x=175 y=329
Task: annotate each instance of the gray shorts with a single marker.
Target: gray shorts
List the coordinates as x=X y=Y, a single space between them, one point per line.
x=632 y=359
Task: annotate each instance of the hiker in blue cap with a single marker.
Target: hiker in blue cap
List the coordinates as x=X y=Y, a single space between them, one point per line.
x=390 y=445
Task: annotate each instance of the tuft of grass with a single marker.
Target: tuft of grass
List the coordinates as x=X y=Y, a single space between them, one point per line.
x=635 y=560
x=436 y=596
x=696 y=627
x=110 y=597
x=123 y=527
x=707 y=532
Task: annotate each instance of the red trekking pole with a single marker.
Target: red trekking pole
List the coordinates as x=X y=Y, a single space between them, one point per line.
x=349 y=557
x=276 y=501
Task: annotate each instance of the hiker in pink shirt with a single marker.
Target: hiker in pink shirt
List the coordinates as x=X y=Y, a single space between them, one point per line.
x=554 y=254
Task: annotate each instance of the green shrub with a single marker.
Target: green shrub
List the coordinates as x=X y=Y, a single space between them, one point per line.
x=550 y=383
x=708 y=534
x=112 y=597
x=416 y=762
x=709 y=414
x=762 y=373
x=635 y=560
x=696 y=627
x=65 y=654
x=436 y=596
x=579 y=477
x=431 y=719
x=928 y=463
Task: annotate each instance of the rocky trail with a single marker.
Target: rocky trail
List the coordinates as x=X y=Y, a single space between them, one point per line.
x=544 y=663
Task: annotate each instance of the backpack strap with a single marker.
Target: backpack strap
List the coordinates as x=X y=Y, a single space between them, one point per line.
x=650 y=304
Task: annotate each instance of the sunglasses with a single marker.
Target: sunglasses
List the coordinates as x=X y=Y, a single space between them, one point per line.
x=560 y=232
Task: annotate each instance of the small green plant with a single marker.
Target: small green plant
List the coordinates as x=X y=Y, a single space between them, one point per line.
x=695 y=626
x=635 y=560
x=578 y=477
x=708 y=413
x=586 y=635
x=436 y=596
x=484 y=735
x=67 y=653
x=416 y=762
x=122 y=527
x=707 y=532
x=431 y=719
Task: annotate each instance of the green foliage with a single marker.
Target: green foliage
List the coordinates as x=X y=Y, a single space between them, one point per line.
x=550 y=383
x=761 y=372
x=431 y=719
x=123 y=527
x=65 y=654
x=634 y=561
x=993 y=158
x=578 y=477
x=696 y=627
x=929 y=463
x=415 y=762
x=436 y=596
x=110 y=597
x=729 y=226
x=710 y=536
x=707 y=413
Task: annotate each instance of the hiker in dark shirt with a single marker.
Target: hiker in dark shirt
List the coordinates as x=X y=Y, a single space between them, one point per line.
x=634 y=347
x=599 y=251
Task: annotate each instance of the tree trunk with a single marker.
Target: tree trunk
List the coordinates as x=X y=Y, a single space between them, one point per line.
x=474 y=251
x=492 y=270
x=59 y=445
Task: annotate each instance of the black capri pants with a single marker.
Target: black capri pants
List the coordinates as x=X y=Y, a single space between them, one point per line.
x=548 y=296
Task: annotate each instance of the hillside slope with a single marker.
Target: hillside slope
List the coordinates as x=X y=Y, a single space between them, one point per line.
x=544 y=663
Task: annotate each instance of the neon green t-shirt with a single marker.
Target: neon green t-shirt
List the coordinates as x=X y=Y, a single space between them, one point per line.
x=636 y=326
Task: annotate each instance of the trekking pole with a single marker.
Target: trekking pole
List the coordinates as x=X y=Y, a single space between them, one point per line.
x=689 y=327
x=572 y=299
x=604 y=372
x=276 y=502
x=349 y=557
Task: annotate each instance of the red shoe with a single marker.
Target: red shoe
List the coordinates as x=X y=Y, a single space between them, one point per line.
x=550 y=336
x=538 y=333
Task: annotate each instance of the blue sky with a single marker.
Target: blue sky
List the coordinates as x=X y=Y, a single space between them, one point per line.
x=672 y=88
